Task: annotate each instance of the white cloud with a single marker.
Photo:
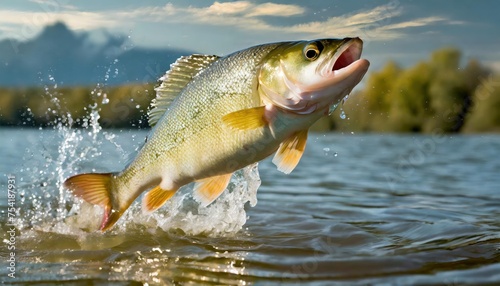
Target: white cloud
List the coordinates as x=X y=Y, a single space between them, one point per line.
x=272 y=9
x=351 y=24
x=378 y=23
x=248 y=16
x=227 y=8
x=415 y=23
x=23 y=25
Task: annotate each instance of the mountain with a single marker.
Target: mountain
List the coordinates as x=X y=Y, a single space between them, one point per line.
x=76 y=59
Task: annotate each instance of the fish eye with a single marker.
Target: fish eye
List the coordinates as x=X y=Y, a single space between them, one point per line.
x=313 y=50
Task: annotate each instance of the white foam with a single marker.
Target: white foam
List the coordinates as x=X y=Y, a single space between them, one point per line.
x=224 y=217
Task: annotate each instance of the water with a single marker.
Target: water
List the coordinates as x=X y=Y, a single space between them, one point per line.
x=358 y=209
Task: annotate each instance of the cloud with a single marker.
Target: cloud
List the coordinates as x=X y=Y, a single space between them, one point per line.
x=350 y=24
x=249 y=16
x=53 y=5
x=272 y=9
x=379 y=23
x=230 y=10
x=24 y=25
x=416 y=23
x=227 y=8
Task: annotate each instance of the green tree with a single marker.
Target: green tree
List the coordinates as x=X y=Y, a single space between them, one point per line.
x=485 y=114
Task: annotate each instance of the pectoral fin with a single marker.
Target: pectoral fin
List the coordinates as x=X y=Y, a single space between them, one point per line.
x=209 y=189
x=155 y=198
x=245 y=119
x=290 y=151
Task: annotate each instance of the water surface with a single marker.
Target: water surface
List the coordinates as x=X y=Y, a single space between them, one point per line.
x=358 y=209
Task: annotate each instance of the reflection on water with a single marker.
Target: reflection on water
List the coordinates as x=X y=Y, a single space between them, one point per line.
x=359 y=209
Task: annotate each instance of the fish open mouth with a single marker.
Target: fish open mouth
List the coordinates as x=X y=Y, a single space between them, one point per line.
x=347 y=54
x=350 y=54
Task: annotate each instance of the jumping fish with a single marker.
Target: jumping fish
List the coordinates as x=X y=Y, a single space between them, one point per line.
x=214 y=115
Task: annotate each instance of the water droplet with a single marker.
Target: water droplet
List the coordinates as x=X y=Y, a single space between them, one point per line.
x=342 y=114
x=137 y=106
x=332 y=108
x=105 y=100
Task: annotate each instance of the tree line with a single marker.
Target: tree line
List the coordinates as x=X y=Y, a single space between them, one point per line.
x=436 y=95
x=116 y=107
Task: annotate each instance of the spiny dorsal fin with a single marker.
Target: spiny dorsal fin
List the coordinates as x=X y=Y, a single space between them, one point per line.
x=209 y=189
x=290 y=152
x=180 y=74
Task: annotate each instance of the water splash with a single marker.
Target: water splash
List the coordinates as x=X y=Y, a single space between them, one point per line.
x=46 y=206
x=224 y=217
x=45 y=199
x=342 y=112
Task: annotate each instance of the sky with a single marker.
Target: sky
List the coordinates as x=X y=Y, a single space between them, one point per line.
x=399 y=30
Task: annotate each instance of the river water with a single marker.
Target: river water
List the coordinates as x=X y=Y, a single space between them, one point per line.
x=358 y=209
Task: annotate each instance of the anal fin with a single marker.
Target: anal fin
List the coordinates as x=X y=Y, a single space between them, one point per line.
x=245 y=119
x=290 y=151
x=155 y=198
x=209 y=189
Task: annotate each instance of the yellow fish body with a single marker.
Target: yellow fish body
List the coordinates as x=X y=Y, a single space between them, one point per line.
x=214 y=115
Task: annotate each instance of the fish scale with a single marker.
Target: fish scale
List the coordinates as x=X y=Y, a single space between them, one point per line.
x=199 y=109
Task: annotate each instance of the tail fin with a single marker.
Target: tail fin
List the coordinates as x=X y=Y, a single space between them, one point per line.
x=97 y=189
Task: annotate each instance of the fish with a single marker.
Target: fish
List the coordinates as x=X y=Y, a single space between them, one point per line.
x=215 y=115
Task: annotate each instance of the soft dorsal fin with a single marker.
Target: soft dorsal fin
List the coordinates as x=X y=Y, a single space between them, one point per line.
x=180 y=74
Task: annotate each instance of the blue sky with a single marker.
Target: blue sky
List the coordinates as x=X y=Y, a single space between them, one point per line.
x=405 y=31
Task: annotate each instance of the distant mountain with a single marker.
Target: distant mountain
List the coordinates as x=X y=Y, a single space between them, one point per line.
x=75 y=59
